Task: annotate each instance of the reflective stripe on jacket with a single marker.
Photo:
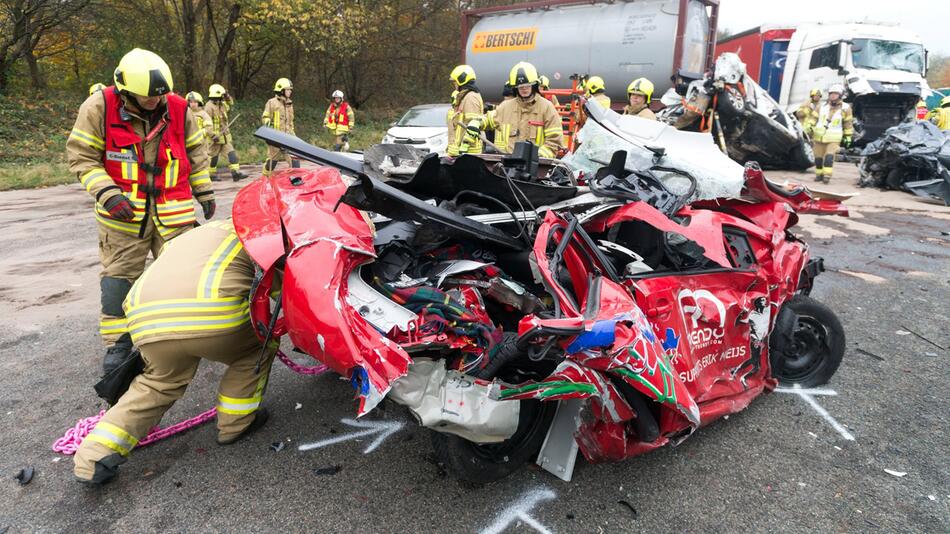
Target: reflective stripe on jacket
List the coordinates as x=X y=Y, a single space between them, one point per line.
x=279 y=114
x=339 y=118
x=833 y=123
x=198 y=287
x=534 y=120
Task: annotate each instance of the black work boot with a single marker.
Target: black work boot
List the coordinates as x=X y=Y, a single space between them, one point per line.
x=260 y=417
x=237 y=176
x=106 y=470
x=116 y=354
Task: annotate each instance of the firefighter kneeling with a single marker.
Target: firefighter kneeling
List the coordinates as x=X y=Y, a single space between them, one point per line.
x=192 y=303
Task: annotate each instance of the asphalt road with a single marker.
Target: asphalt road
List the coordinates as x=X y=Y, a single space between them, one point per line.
x=778 y=466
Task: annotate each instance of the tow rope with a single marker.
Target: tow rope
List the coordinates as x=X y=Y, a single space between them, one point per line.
x=69 y=443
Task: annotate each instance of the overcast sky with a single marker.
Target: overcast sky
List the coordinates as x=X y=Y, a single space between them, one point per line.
x=929 y=18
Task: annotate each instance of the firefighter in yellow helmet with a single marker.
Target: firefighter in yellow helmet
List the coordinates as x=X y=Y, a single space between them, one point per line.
x=139 y=153
x=279 y=115
x=807 y=113
x=96 y=87
x=940 y=115
x=191 y=304
x=833 y=128
x=466 y=115
x=340 y=120
x=545 y=86
x=221 y=140
x=527 y=117
x=594 y=90
x=202 y=119
x=639 y=95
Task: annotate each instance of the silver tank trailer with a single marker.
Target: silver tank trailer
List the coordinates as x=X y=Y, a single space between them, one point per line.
x=619 y=42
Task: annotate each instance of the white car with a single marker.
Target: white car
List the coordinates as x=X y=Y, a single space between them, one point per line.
x=423 y=127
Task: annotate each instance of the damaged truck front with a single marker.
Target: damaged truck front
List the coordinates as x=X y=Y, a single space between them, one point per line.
x=610 y=323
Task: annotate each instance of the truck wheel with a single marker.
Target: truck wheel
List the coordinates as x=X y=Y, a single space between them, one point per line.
x=814 y=347
x=477 y=463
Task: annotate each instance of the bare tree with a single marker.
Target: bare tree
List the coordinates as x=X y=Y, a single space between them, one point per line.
x=23 y=23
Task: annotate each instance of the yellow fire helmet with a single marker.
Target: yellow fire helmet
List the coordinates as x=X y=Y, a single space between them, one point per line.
x=196 y=96
x=594 y=85
x=217 y=91
x=143 y=73
x=96 y=87
x=523 y=73
x=641 y=86
x=815 y=91
x=462 y=75
x=545 y=82
x=282 y=84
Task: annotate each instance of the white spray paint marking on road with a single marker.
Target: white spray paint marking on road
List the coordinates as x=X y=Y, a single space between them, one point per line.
x=519 y=512
x=808 y=396
x=383 y=428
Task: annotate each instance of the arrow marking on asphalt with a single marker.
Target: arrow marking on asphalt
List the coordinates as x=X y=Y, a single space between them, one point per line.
x=519 y=512
x=381 y=427
x=807 y=395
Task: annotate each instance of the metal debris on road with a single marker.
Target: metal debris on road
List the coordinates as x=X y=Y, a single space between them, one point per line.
x=897 y=474
x=941 y=347
x=277 y=446
x=25 y=475
x=636 y=515
x=330 y=470
x=869 y=353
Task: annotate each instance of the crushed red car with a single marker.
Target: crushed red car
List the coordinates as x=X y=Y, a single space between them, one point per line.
x=612 y=319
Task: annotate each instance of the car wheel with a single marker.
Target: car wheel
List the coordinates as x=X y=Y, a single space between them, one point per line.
x=481 y=463
x=813 y=347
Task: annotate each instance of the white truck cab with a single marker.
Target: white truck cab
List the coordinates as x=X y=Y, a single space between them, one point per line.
x=882 y=68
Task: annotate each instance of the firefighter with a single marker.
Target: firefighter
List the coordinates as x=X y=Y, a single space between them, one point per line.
x=138 y=152
x=221 y=140
x=202 y=119
x=546 y=86
x=340 y=120
x=467 y=108
x=940 y=115
x=279 y=115
x=96 y=87
x=594 y=89
x=640 y=94
x=191 y=304
x=833 y=128
x=527 y=117
x=921 y=110
x=807 y=113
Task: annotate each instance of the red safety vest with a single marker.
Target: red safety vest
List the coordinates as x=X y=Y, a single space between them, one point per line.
x=123 y=161
x=338 y=115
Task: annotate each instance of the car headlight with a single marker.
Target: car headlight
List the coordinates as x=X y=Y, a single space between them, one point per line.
x=388 y=139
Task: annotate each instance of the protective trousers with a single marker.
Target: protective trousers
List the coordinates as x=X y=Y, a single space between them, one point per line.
x=341 y=142
x=824 y=160
x=123 y=256
x=170 y=365
x=215 y=150
x=273 y=156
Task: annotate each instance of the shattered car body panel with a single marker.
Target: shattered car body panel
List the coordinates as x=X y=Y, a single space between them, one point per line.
x=649 y=354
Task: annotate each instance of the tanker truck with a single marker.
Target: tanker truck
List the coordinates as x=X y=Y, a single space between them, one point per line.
x=617 y=40
x=882 y=68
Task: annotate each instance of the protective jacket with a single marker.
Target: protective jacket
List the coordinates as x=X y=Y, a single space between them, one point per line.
x=807 y=114
x=203 y=120
x=643 y=111
x=834 y=123
x=218 y=110
x=941 y=117
x=534 y=119
x=197 y=288
x=468 y=107
x=339 y=119
x=279 y=114
x=158 y=163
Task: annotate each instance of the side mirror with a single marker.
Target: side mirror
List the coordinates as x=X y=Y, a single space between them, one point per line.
x=926 y=62
x=843 y=50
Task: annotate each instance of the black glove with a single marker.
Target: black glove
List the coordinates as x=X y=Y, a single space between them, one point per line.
x=119 y=208
x=208 y=206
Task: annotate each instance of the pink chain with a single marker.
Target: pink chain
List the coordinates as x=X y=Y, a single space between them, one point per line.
x=69 y=443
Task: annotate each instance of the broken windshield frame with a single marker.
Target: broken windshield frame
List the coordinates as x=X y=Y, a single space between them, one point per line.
x=877 y=54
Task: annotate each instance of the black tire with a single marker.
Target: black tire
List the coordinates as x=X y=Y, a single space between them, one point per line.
x=814 y=348
x=476 y=464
